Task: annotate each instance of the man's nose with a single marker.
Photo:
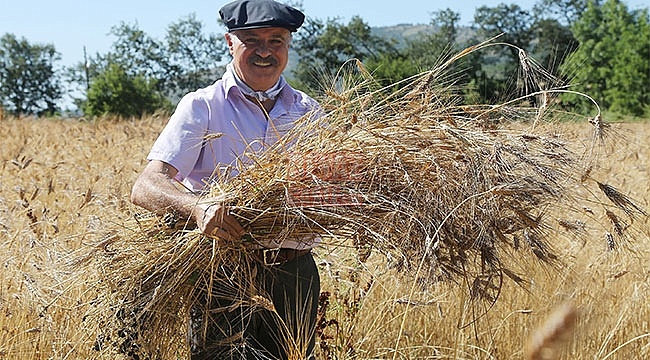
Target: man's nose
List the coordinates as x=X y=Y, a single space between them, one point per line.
x=263 y=50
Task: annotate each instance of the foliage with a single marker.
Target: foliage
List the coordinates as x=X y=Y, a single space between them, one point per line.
x=514 y=26
x=554 y=42
x=29 y=84
x=192 y=56
x=612 y=63
x=184 y=61
x=424 y=52
x=325 y=47
x=566 y=12
x=137 y=52
x=389 y=69
x=512 y=21
x=116 y=92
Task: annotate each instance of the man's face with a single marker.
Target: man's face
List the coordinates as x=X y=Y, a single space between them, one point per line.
x=259 y=55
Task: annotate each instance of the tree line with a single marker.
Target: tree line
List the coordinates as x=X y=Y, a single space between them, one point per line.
x=601 y=48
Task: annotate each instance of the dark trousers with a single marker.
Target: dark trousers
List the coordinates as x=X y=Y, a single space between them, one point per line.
x=275 y=319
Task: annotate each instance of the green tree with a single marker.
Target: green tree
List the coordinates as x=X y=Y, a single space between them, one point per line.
x=137 y=52
x=565 y=12
x=388 y=69
x=513 y=22
x=116 y=92
x=496 y=74
x=185 y=60
x=192 y=56
x=612 y=63
x=426 y=51
x=553 y=43
x=29 y=84
x=324 y=47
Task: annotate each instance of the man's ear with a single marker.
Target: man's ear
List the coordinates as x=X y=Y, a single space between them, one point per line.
x=229 y=41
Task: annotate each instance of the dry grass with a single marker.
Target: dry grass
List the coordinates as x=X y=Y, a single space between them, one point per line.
x=43 y=311
x=486 y=170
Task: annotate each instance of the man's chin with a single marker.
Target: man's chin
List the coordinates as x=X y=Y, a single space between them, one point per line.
x=264 y=78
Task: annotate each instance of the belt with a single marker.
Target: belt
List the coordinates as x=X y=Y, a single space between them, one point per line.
x=279 y=256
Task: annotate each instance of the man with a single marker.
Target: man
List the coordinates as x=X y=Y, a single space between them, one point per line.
x=250 y=107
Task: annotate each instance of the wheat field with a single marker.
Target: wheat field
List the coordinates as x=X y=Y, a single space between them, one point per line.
x=65 y=184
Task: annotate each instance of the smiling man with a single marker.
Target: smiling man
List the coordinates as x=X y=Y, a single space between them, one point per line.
x=259 y=56
x=250 y=108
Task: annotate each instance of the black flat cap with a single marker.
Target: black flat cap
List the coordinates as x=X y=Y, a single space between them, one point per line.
x=254 y=14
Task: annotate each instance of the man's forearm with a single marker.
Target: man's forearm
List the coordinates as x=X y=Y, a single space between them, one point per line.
x=156 y=191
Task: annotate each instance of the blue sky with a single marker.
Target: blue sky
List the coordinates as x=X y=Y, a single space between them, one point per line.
x=70 y=25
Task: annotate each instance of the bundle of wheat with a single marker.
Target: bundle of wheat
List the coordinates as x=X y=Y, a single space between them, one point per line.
x=443 y=188
x=447 y=189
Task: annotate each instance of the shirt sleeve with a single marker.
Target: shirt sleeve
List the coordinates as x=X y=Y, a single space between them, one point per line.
x=180 y=142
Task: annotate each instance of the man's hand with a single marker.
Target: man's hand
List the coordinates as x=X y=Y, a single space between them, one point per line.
x=155 y=190
x=213 y=219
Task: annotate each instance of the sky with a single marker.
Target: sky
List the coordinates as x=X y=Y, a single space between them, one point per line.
x=72 y=25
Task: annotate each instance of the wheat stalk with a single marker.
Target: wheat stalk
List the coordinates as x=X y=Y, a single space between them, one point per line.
x=545 y=342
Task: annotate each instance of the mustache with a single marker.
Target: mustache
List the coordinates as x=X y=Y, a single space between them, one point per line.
x=256 y=58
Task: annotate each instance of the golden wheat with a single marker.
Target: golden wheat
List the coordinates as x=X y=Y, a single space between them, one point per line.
x=545 y=341
x=64 y=195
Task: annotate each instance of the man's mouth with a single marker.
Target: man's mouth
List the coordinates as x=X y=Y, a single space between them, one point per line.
x=263 y=62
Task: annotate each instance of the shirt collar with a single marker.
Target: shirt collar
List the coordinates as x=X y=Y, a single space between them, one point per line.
x=232 y=80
